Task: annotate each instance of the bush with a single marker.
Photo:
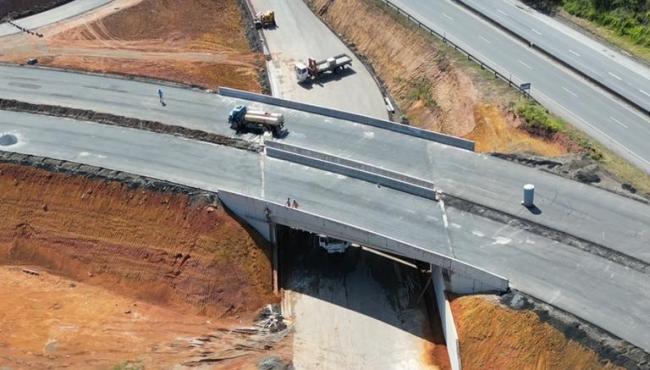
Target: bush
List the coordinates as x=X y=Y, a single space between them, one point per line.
x=628 y=18
x=537 y=120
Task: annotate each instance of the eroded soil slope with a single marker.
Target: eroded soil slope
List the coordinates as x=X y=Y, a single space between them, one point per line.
x=60 y=323
x=201 y=42
x=159 y=247
x=493 y=336
x=434 y=89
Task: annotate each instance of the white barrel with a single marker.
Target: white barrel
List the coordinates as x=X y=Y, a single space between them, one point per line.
x=529 y=195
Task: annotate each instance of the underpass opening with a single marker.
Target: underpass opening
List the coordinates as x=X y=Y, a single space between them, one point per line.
x=357 y=307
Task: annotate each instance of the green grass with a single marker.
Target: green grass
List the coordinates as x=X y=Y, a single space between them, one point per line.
x=421 y=90
x=537 y=119
x=628 y=19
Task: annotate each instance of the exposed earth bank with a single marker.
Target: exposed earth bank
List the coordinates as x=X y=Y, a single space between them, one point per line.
x=433 y=87
x=494 y=336
x=61 y=323
x=167 y=248
x=199 y=42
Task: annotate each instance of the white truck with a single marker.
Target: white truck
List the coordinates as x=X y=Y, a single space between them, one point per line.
x=243 y=119
x=315 y=68
x=332 y=245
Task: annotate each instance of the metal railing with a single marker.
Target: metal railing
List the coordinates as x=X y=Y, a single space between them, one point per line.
x=457 y=47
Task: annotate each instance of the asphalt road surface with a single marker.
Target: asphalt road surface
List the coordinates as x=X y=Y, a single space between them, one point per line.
x=54 y=15
x=301 y=35
x=593 y=288
x=587 y=212
x=607 y=119
x=594 y=59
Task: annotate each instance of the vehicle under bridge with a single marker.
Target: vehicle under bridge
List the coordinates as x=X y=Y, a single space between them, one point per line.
x=264 y=216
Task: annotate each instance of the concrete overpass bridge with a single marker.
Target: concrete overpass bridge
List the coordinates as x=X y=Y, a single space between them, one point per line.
x=555 y=267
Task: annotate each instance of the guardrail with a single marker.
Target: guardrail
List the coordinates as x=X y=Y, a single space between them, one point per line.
x=556 y=58
x=358 y=118
x=469 y=55
x=350 y=168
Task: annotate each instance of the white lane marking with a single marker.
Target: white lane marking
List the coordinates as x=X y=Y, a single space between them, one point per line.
x=615 y=76
x=643 y=92
x=616 y=142
x=536 y=31
x=569 y=91
x=447 y=16
x=502 y=12
x=501 y=240
x=484 y=39
x=574 y=53
x=526 y=65
x=619 y=122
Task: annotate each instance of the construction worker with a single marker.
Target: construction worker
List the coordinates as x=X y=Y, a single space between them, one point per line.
x=160 y=95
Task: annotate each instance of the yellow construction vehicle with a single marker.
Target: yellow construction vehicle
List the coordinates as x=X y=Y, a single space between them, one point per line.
x=265 y=19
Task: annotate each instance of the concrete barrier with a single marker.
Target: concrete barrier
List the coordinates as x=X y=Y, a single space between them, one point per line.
x=351 y=168
x=358 y=118
x=446 y=317
x=350 y=163
x=261 y=213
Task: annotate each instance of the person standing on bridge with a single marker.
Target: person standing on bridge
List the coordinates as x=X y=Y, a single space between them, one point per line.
x=160 y=95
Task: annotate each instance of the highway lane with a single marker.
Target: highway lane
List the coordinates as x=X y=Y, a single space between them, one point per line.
x=594 y=59
x=214 y=167
x=301 y=35
x=595 y=289
x=587 y=212
x=599 y=114
x=54 y=15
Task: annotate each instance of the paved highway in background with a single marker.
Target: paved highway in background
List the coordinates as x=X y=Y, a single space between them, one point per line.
x=587 y=212
x=592 y=58
x=607 y=119
x=600 y=291
x=54 y=15
x=301 y=35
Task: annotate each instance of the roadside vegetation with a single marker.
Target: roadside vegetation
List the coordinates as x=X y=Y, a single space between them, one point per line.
x=625 y=23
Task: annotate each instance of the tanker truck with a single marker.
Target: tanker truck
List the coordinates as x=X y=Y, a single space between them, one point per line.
x=242 y=119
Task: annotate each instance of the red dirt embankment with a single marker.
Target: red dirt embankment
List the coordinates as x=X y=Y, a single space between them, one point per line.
x=159 y=247
x=200 y=42
x=493 y=336
x=57 y=323
x=433 y=85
